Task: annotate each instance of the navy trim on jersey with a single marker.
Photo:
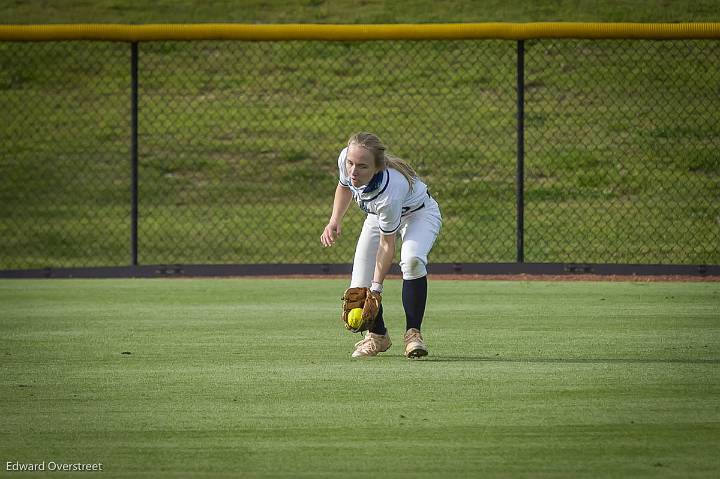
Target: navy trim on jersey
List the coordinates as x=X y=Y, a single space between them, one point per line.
x=374 y=183
x=387 y=182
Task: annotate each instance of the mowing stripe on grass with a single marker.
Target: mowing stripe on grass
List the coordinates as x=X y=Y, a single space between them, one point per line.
x=252 y=378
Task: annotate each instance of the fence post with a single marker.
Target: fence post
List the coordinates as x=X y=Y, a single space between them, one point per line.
x=134 y=153
x=520 y=169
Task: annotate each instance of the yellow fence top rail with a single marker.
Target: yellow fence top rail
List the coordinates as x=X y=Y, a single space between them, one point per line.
x=286 y=32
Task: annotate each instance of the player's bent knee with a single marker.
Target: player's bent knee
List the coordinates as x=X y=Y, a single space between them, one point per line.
x=413 y=268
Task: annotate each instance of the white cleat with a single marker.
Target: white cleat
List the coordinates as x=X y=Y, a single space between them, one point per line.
x=414 y=345
x=371 y=345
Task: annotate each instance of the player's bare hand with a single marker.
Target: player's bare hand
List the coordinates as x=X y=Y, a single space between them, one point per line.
x=330 y=234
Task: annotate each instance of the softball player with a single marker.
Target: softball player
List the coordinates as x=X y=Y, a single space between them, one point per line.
x=396 y=202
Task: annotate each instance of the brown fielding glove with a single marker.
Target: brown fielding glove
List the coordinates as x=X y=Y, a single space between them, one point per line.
x=368 y=301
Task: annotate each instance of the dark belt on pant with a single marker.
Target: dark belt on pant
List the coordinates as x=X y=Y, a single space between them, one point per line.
x=418 y=208
x=413 y=211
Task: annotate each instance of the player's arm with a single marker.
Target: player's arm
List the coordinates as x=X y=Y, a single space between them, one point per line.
x=343 y=197
x=385 y=255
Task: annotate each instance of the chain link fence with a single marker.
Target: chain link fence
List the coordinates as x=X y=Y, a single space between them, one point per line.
x=622 y=144
x=238 y=141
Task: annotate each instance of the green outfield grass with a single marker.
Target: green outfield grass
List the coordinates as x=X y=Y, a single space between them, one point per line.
x=252 y=378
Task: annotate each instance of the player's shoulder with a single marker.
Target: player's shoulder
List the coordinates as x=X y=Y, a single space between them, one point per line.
x=344 y=180
x=391 y=187
x=395 y=174
x=397 y=183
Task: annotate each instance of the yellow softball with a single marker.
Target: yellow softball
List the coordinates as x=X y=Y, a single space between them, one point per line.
x=355 y=318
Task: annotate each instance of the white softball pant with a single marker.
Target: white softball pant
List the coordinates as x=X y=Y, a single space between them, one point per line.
x=418 y=231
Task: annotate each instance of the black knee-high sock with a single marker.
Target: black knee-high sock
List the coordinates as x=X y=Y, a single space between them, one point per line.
x=379 y=325
x=414 y=297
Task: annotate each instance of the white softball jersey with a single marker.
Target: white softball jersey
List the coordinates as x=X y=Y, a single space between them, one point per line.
x=392 y=207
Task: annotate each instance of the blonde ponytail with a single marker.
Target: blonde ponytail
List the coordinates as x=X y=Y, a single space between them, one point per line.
x=392 y=161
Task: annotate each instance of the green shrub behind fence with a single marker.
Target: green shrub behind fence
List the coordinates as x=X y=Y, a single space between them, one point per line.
x=238 y=144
